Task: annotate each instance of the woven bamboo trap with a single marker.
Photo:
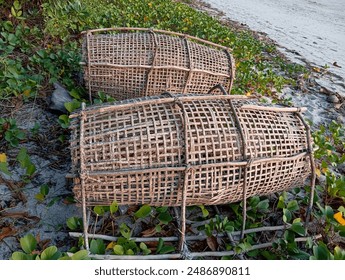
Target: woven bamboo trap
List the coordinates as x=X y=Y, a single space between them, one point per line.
x=135 y=62
x=175 y=150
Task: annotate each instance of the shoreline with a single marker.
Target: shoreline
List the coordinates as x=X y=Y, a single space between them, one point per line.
x=323 y=92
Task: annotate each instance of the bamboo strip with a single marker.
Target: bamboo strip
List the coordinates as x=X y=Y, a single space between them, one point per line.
x=149 y=67
x=273 y=109
x=82 y=176
x=193 y=254
x=199 y=166
x=313 y=169
x=115 y=106
x=153 y=30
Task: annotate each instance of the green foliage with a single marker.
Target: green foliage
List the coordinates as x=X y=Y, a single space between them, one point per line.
x=44 y=190
x=4 y=168
x=25 y=162
x=330 y=145
x=28 y=243
x=113 y=207
x=27 y=61
x=144 y=248
x=74 y=223
x=164 y=249
x=219 y=225
x=330 y=150
x=51 y=253
x=126 y=246
x=125 y=231
x=16 y=10
x=80 y=255
x=100 y=210
x=143 y=211
x=4 y=164
x=164 y=217
x=204 y=211
x=119 y=250
x=97 y=246
x=9 y=130
x=321 y=252
x=72 y=106
x=288 y=207
x=64 y=121
x=20 y=256
x=103 y=98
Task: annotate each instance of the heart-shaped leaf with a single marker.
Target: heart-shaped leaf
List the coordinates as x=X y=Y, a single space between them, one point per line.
x=286 y=215
x=114 y=207
x=28 y=243
x=73 y=223
x=125 y=231
x=72 y=106
x=19 y=256
x=165 y=217
x=50 y=253
x=143 y=212
x=292 y=206
x=97 y=246
x=100 y=210
x=118 y=250
x=144 y=248
x=81 y=255
x=298 y=228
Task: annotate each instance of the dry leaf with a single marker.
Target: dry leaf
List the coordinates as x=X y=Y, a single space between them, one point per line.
x=111 y=245
x=318 y=172
x=212 y=243
x=149 y=232
x=45 y=243
x=6 y=231
x=152 y=245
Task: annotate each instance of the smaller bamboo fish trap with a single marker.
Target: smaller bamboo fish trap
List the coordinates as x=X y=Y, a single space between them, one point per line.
x=135 y=62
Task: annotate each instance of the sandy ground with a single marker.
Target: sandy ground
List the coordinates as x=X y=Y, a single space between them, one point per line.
x=20 y=211
x=310 y=29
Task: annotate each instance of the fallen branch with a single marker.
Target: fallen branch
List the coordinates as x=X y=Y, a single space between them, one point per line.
x=193 y=255
x=18 y=215
x=175 y=238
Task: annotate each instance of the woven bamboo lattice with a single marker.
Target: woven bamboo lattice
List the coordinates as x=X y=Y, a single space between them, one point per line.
x=176 y=150
x=135 y=62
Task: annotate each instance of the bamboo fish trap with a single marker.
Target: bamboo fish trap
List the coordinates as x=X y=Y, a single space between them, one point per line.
x=204 y=149
x=180 y=150
x=135 y=62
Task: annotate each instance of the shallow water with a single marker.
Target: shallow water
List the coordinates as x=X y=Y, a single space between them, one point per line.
x=313 y=29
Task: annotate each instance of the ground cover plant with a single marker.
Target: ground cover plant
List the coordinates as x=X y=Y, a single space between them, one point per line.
x=40 y=43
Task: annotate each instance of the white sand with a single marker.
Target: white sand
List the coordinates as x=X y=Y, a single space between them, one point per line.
x=314 y=29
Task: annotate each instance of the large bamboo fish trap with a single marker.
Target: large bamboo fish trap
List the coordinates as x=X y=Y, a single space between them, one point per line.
x=135 y=62
x=180 y=150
